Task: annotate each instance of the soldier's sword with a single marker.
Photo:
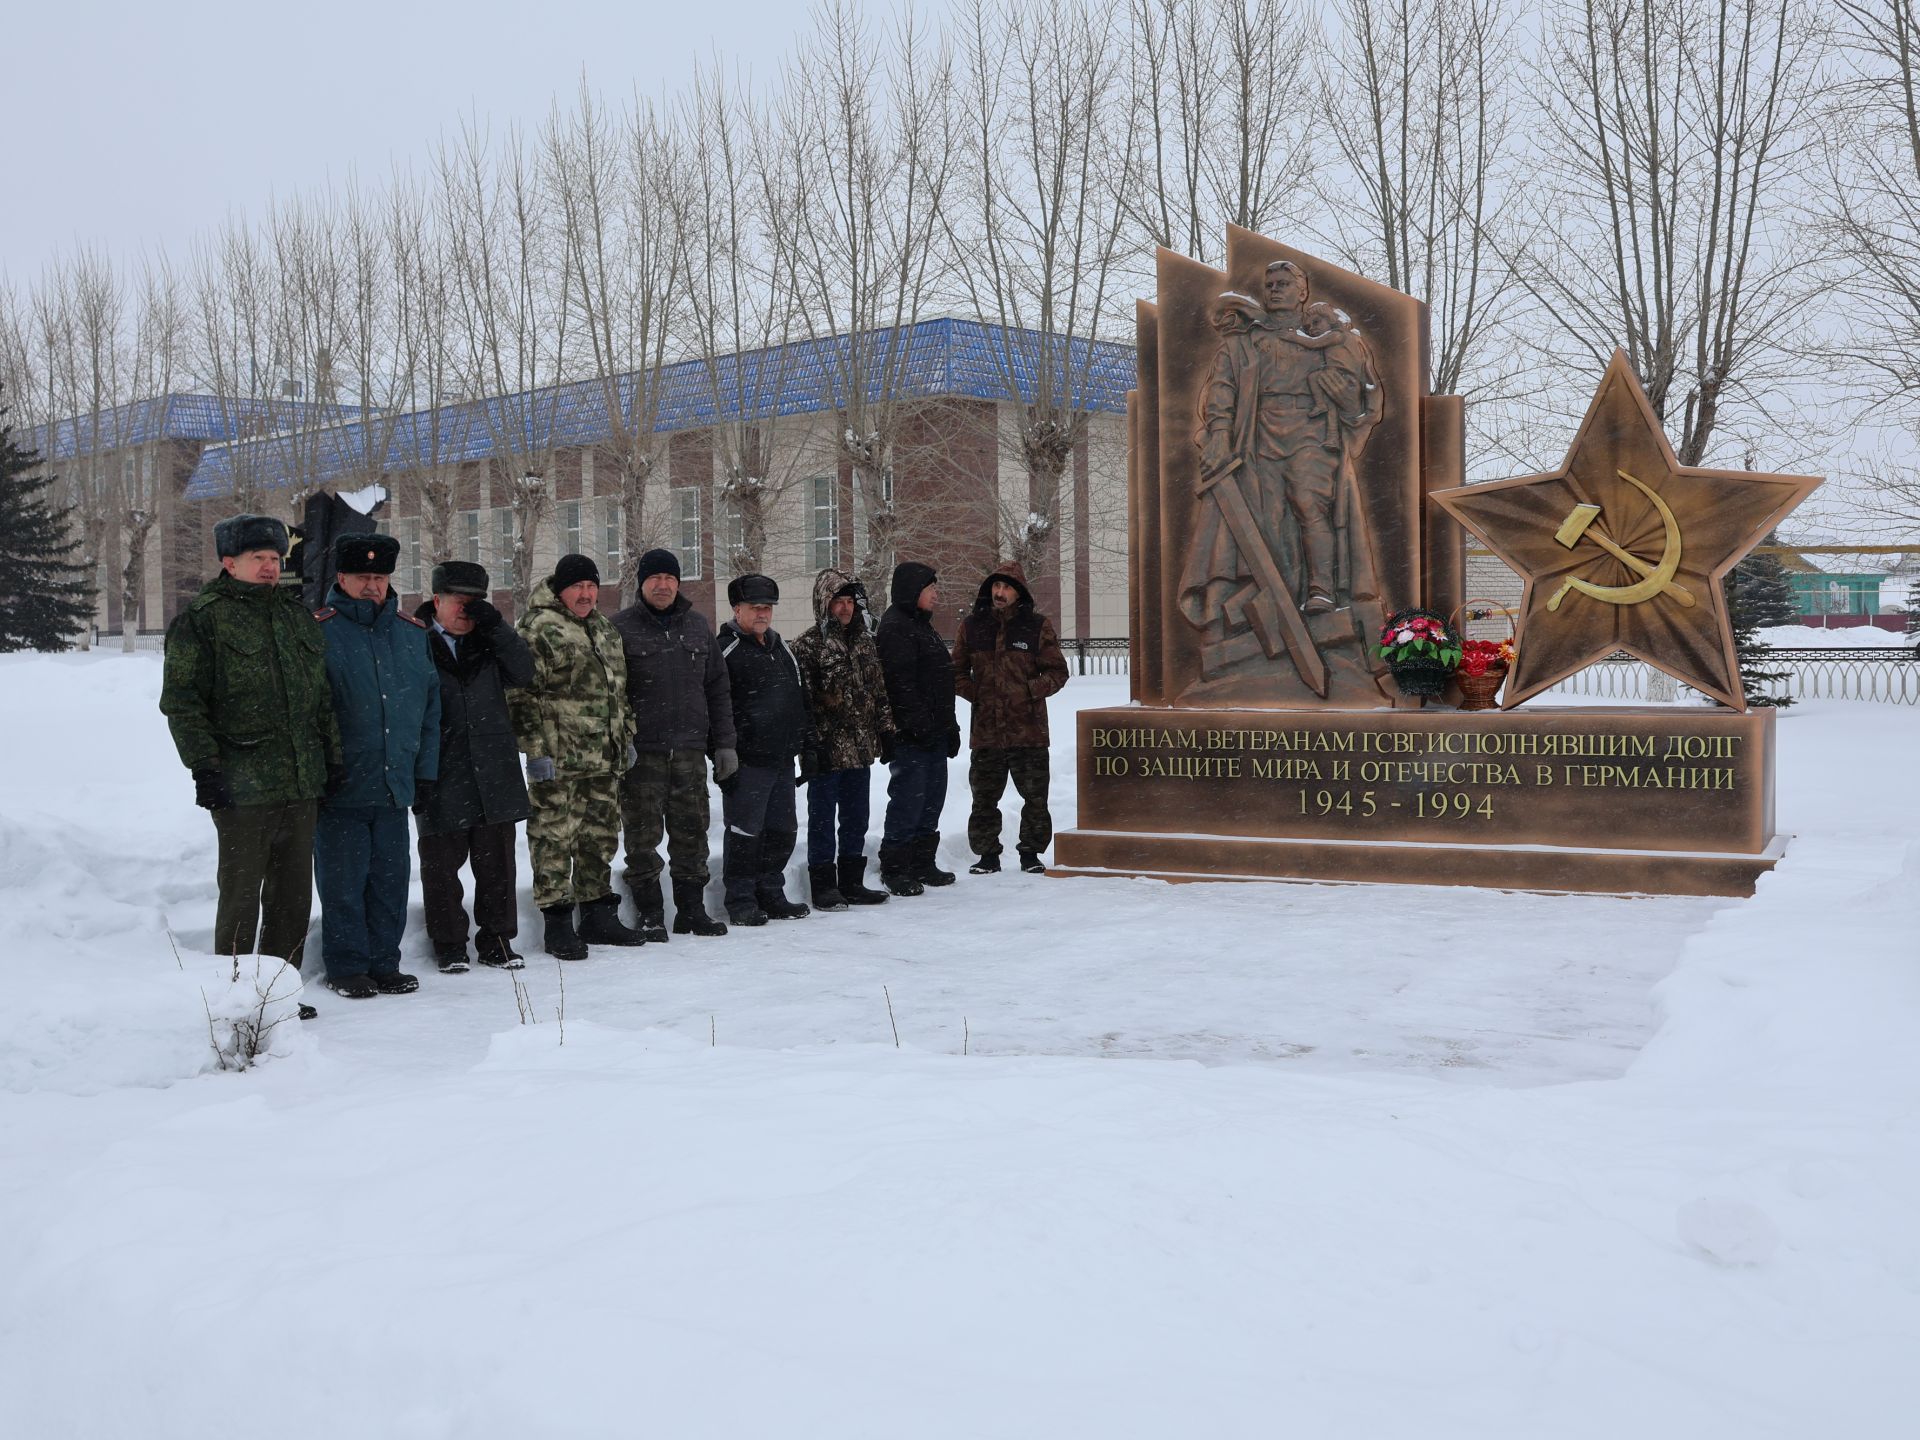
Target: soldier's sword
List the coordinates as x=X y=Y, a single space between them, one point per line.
x=1275 y=605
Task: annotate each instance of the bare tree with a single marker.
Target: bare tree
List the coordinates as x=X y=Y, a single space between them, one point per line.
x=742 y=308
x=858 y=225
x=1873 y=181
x=1035 y=235
x=143 y=479
x=512 y=307
x=1222 y=114
x=1421 y=120
x=1674 y=139
x=615 y=183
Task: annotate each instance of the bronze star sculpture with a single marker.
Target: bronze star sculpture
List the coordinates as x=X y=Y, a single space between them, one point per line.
x=1624 y=548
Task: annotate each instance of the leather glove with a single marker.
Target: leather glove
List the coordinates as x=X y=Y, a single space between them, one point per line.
x=422 y=796
x=953 y=742
x=336 y=778
x=483 y=614
x=210 y=789
x=539 y=768
x=633 y=756
x=886 y=748
x=725 y=764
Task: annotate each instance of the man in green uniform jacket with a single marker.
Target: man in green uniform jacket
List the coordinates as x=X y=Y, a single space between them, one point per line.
x=245 y=695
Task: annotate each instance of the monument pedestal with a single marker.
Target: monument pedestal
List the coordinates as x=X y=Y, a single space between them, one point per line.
x=1614 y=800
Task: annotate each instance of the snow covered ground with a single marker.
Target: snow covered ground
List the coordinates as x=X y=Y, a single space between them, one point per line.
x=1357 y=1161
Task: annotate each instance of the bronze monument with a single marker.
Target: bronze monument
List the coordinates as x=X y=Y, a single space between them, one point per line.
x=1283 y=451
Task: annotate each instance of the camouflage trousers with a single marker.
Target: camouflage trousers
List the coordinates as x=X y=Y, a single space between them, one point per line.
x=572 y=833
x=665 y=794
x=992 y=766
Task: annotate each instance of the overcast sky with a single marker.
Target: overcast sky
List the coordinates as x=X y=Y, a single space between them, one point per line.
x=141 y=124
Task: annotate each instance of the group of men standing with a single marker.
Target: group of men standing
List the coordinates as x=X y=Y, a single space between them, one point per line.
x=311 y=735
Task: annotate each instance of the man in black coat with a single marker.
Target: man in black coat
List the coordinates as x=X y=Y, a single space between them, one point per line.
x=683 y=713
x=468 y=815
x=774 y=727
x=919 y=674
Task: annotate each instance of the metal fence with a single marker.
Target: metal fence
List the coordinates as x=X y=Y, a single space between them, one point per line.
x=1888 y=675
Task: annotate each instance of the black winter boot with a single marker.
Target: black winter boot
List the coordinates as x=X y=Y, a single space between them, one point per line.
x=898 y=870
x=987 y=864
x=771 y=896
x=452 y=959
x=1031 y=862
x=852 y=888
x=600 y=924
x=746 y=913
x=926 y=856
x=650 y=911
x=561 y=941
x=824 y=881
x=498 y=951
x=690 y=912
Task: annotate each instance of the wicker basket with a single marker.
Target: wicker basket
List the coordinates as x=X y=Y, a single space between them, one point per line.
x=1420 y=677
x=1477 y=691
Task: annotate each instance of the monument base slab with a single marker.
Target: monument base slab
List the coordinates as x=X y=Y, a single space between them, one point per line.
x=1581 y=799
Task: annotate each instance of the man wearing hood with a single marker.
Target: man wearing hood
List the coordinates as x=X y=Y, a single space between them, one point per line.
x=770 y=714
x=1006 y=663
x=245 y=695
x=852 y=726
x=386 y=698
x=919 y=675
x=683 y=714
x=575 y=727
x=469 y=815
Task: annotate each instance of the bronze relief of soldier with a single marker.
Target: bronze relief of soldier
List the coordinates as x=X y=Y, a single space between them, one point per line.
x=1280 y=578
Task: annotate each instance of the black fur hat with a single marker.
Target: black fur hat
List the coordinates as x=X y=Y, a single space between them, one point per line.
x=460 y=577
x=571 y=570
x=752 y=590
x=238 y=534
x=365 y=555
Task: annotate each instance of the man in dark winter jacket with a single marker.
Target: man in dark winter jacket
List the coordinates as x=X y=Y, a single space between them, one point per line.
x=683 y=713
x=919 y=675
x=386 y=697
x=1006 y=662
x=468 y=816
x=770 y=716
x=245 y=695
x=853 y=726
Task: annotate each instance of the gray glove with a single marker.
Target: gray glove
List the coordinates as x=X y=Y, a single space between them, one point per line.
x=725 y=762
x=633 y=756
x=539 y=768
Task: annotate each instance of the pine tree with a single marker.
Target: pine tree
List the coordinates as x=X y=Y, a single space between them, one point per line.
x=1913 y=606
x=1758 y=596
x=45 y=598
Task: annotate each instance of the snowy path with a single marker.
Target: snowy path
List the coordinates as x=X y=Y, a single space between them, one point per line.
x=1373 y=1210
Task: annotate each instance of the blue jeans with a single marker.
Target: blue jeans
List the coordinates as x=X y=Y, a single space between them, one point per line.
x=915 y=795
x=848 y=792
x=362 y=862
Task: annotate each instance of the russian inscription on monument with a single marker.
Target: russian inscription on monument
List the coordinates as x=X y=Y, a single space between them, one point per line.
x=1284 y=448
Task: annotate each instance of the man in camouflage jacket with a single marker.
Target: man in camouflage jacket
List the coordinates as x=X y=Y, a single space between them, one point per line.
x=576 y=729
x=1006 y=662
x=245 y=695
x=853 y=727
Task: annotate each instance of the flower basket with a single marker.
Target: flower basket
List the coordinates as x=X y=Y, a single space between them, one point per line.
x=1483 y=663
x=1421 y=649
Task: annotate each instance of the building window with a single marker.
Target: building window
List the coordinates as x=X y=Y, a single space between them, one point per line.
x=470 y=538
x=406 y=575
x=570 y=528
x=826 y=521
x=503 y=542
x=686 y=514
x=860 y=516
x=613 y=529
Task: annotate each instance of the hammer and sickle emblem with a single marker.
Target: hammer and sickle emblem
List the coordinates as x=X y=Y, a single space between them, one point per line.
x=1658 y=578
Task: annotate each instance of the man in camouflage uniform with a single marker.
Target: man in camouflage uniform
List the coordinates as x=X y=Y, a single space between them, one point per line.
x=245 y=695
x=853 y=727
x=576 y=730
x=682 y=714
x=1006 y=662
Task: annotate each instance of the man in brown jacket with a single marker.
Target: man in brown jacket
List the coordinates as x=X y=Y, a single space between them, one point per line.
x=1006 y=663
